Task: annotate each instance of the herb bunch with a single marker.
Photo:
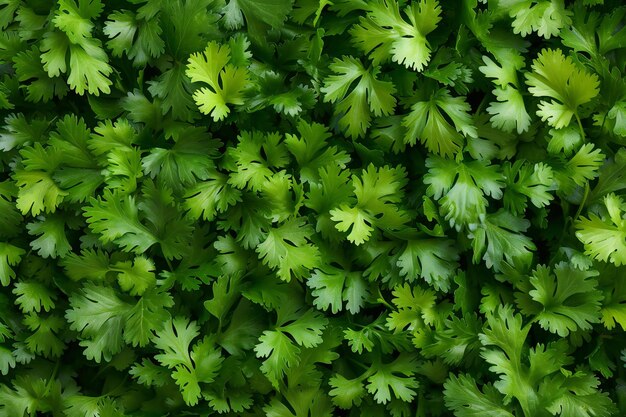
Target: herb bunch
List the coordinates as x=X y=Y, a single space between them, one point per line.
x=312 y=208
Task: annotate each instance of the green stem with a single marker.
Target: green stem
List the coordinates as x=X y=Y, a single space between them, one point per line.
x=52 y=378
x=580 y=126
x=382 y=300
x=583 y=202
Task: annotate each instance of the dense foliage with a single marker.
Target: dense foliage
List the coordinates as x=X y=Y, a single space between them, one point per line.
x=303 y=208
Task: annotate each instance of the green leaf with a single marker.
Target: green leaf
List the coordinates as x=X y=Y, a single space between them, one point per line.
x=174 y=340
x=226 y=82
x=33 y=296
x=461 y=188
x=149 y=374
x=281 y=354
x=332 y=286
x=377 y=191
x=99 y=315
x=255 y=155
x=272 y=12
x=384 y=34
x=463 y=396
x=116 y=219
x=37 y=193
x=354 y=219
x=147 y=315
x=90 y=264
x=614 y=305
x=287 y=249
x=427 y=123
x=369 y=96
x=501 y=232
x=41 y=86
x=434 y=260
x=416 y=306
x=546 y=17
x=527 y=182
x=396 y=376
x=9 y=256
x=52 y=240
x=184 y=163
x=565 y=301
x=11 y=218
x=173 y=87
x=605 y=237
x=208 y=198
x=135 y=277
x=557 y=77
x=312 y=152
x=346 y=393
x=45 y=339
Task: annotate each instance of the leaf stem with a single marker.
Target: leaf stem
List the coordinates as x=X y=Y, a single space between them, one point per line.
x=580 y=126
x=381 y=299
x=582 y=202
x=52 y=378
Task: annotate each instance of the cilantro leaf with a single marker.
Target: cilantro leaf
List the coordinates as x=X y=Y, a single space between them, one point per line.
x=279 y=349
x=9 y=256
x=255 y=155
x=45 y=339
x=415 y=307
x=281 y=354
x=52 y=240
x=287 y=248
x=147 y=315
x=526 y=182
x=34 y=296
x=90 y=264
x=508 y=112
x=332 y=286
x=369 y=96
x=182 y=164
x=116 y=219
x=461 y=187
x=558 y=77
x=140 y=39
x=376 y=192
x=41 y=87
x=135 y=277
x=605 y=237
x=466 y=399
x=546 y=17
x=37 y=192
x=432 y=259
x=212 y=196
x=226 y=81
x=346 y=393
x=191 y=366
x=426 y=122
x=396 y=376
x=99 y=315
x=312 y=152
x=271 y=12
x=501 y=232
x=614 y=304
x=383 y=34
x=564 y=301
